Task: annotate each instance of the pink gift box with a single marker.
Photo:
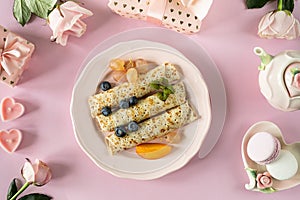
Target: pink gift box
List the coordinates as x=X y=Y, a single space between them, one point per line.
x=15 y=52
x=184 y=16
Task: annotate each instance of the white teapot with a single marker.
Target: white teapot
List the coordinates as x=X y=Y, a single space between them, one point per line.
x=279 y=78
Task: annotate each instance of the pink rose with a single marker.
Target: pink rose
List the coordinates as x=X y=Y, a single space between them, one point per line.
x=264 y=180
x=296 y=81
x=37 y=173
x=66 y=20
x=279 y=24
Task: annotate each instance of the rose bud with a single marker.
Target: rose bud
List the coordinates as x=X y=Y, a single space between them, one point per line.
x=37 y=173
x=279 y=24
x=264 y=180
x=66 y=19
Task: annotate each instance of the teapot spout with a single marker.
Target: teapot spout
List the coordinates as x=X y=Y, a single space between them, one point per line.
x=264 y=57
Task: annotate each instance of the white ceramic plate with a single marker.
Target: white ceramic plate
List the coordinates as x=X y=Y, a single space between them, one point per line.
x=128 y=164
x=193 y=51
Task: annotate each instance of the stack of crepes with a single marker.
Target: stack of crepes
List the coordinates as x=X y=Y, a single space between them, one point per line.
x=184 y=16
x=155 y=117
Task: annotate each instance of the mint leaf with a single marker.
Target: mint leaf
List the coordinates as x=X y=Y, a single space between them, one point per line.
x=167 y=91
x=163 y=88
x=35 y=196
x=164 y=81
x=21 y=12
x=155 y=85
x=165 y=96
x=12 y=189
x=40 y=7
x=170 y=87
x=160 y=95
x=256 y=3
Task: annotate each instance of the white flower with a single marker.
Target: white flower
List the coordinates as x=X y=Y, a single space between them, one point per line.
x=279 y=24
x=37 y=173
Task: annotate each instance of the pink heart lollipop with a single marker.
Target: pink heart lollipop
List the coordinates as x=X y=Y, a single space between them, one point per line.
x=10 y=140
x=11 y=110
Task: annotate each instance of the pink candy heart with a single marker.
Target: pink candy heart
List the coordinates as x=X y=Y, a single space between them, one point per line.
x=10 y=140
x=11 y=110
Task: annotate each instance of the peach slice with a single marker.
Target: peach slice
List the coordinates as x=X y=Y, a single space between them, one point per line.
x=153 y=151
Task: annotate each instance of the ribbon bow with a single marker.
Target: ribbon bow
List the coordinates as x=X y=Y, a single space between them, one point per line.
x=199 y=7
x=14 y=54
x=157 y=9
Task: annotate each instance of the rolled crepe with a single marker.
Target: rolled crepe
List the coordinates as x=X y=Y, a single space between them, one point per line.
x=113 y=96
x=145 y=108
x=152 y=128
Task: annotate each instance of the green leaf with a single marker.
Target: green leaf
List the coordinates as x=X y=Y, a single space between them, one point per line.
x=40 y=8
x=21 y=12
x=163 y=87
x=253 y=172
x=268 y=190
x=12 y=189
x=156 y=82
x=164 y=81
x=256 y=3
x=295 y=71
x=160 y=95
x=155 y=86
x=167 y=91
x=170 y=87
x=35 y=196
x=165 y=96
x=288 y=5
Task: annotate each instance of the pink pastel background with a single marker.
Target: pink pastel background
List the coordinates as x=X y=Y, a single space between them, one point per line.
x=228 y=34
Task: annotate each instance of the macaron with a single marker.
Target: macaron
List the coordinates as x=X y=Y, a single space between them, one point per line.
x=263 y=148
x=284 y=167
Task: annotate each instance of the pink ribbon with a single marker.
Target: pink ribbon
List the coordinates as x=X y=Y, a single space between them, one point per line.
x=14 y=54
x=156 y=11
x=199 y=7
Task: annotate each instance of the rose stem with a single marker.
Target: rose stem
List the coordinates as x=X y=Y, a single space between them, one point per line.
x=280 y=4
x=20 y=190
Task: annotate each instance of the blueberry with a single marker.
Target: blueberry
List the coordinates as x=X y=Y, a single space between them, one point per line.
x=133 y=100
x=105 y=85
x=120 y=131
x=124 y=104
x=132 y=126
x=106 y=111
